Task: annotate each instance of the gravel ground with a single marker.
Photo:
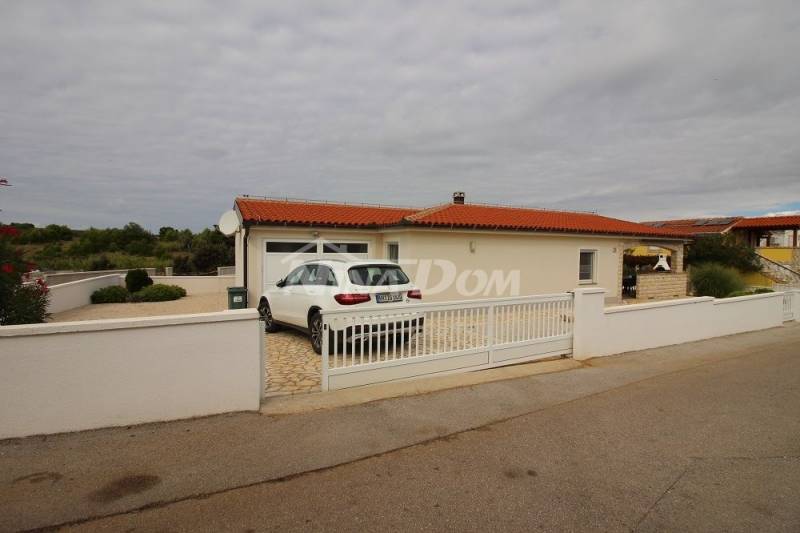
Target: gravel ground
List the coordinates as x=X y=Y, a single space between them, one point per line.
x=198 y=303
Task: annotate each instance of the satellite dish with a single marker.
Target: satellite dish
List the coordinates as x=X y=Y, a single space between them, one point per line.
x=229 y=223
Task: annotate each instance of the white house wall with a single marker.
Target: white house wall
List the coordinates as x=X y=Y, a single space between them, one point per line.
x=543 y=263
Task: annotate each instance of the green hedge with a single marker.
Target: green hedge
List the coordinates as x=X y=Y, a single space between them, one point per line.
x=110 y=295
x=158 y=293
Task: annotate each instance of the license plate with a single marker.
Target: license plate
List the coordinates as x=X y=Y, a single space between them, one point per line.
x=386 y=297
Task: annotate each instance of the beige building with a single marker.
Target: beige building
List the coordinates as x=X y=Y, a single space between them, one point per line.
x=453 y=251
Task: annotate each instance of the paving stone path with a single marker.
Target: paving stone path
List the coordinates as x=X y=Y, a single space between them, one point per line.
x=292 y=366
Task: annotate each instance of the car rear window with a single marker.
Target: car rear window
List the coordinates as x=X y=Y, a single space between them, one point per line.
x=377 y=275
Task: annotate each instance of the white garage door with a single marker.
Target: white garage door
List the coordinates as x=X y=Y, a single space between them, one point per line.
x=281 y=256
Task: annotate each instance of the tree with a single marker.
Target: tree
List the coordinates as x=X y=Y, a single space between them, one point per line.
x=168 y=234
x=725 y=250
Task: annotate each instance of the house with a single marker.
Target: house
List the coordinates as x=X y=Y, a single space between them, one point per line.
x=453 y=251
x=773 y=237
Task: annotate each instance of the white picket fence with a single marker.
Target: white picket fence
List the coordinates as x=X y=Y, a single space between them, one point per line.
x=400 y=341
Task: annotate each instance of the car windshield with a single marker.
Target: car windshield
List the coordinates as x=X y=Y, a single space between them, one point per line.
x=377 y=275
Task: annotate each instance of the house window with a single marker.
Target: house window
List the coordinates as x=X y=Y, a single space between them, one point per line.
x=586 y=270
x=345 y=248
x=291 y=247
x=393 y=252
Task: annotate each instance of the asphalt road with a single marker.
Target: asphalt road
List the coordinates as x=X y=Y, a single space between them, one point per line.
x=704 y=437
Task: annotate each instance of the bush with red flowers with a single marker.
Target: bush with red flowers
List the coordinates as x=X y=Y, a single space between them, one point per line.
x=20 y=303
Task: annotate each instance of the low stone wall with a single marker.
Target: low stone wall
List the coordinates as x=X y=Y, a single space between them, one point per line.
x=57 y=278
x=660 y=285
x=66 y=296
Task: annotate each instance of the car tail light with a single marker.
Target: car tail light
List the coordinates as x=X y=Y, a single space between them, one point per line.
x=415 y=293
x=351 y=298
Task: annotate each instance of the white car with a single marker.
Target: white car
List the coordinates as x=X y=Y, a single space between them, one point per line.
x=297 y=299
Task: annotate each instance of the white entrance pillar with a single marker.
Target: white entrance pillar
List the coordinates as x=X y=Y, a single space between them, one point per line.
x=589 y=306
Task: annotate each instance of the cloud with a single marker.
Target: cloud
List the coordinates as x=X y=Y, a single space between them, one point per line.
x=163 y=112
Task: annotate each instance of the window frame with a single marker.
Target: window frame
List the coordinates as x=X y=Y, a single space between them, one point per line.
x=593 y=278
x=392 y=266
x=389 y=246
x=305 y=249
x=303 y=269
x=330 y=281
x=327 y=245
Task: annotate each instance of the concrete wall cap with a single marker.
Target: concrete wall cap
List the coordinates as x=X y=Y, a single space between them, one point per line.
x=591 y=290
x=178 y=277
x=734 y=299
x=126 y=323
x=656 y=305
x=83 y=281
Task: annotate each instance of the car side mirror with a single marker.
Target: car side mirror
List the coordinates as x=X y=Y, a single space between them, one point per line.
x=281 y=283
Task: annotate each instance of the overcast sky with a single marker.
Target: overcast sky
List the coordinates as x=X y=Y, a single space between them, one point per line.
x=162 y=112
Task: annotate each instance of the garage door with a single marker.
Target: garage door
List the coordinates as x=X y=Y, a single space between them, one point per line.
x=284 y=255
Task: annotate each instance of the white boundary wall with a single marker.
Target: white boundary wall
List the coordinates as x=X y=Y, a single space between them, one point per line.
x=73 y=294
x=73 y=376
x=198 y=284
x=599 y=331
x=70 y=295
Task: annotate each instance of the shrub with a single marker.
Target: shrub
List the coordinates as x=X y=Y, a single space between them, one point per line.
x=110 y=295
x=749 y=292
x=725 y=250
x=182 y=264
x=734 y=294
x=27 y=304
x=712 y=279
x=137 y=279
x=19 y=303
x=159 y=293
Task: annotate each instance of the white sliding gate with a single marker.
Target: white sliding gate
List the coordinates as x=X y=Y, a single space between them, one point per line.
x=788 y=305
x=401 y=341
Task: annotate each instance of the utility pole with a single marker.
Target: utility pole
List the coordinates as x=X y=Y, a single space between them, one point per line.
x=4 y=183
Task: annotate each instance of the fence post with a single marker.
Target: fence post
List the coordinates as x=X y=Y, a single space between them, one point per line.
x=588 y=309
x=325 y=352
x=490 y=331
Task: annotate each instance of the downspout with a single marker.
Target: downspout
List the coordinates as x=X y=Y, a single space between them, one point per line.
x=244 y=253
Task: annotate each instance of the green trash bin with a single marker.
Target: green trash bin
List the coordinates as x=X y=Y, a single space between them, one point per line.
x=237 y=297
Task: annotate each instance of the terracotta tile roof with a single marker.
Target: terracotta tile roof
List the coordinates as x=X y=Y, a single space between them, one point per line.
x=696 y=226
x=292 y=212
x=517 y=218
x=783 y=222
x=476 y=216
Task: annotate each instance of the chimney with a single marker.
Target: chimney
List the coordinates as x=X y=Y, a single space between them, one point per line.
x=458 y=198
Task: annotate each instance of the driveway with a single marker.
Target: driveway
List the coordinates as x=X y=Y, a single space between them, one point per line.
x=292 y=365
x=695 y=437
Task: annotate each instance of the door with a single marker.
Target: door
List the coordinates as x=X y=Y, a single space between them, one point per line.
x=282 y=255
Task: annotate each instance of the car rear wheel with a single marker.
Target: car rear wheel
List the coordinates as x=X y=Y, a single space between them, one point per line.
x=315 y=331
x=266 y=315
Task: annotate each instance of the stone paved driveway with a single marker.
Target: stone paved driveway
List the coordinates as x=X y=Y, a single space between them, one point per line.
x=292 y=366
